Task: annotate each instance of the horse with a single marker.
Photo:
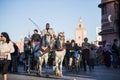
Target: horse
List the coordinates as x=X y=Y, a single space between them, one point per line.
x=59 y=53
x=42 y=54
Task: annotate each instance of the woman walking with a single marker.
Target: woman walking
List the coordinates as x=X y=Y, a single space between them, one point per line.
x=6 y=48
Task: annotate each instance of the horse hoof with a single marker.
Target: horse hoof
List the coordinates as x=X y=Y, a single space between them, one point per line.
x=39 y=75
x=61 y=75
x=56 y=74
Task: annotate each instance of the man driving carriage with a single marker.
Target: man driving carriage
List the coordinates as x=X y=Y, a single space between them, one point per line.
x=48 y=30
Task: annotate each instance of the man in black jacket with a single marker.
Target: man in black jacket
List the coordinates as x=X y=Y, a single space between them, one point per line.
x=115 y=53
x=36 y=37
x=14 y=63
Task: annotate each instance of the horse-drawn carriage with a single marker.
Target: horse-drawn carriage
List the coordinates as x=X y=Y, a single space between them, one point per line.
x=47 y=49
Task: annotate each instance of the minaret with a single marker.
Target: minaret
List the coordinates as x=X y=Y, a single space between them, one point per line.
x=80 y=33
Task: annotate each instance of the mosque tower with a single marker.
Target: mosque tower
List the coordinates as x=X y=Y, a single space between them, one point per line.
x=80 y=33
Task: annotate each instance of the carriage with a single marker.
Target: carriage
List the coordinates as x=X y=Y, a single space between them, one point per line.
x=48 y=49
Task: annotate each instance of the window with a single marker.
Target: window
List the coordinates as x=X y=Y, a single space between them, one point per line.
x=104 y=10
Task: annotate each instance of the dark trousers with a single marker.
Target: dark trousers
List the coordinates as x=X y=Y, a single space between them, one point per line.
x=86 y=60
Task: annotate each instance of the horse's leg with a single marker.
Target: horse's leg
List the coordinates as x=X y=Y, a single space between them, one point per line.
x=28 y=64
x=46 y=66
x=40 y=66
x=61 y=62
x=56 y=66
x=54 y=63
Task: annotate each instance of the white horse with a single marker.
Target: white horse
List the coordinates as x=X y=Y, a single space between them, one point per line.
x=42 y=54
x=59 y=53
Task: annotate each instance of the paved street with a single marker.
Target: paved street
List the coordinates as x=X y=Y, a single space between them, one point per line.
x=99 y=73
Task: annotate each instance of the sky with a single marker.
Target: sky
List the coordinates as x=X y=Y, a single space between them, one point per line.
x=63 y=16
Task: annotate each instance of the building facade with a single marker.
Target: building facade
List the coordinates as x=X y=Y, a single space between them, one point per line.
x=80 y=33
x=109 y=16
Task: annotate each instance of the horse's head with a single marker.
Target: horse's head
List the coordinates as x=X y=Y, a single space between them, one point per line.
x=61 y=36
x=60 y=40
x=48 y=38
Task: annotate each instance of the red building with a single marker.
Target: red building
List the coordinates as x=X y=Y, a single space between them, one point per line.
x=109 y=17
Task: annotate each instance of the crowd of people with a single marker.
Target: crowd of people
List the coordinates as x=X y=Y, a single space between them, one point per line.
x=105 y=54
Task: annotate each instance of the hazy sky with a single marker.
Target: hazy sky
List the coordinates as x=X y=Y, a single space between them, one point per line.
x=63 y=15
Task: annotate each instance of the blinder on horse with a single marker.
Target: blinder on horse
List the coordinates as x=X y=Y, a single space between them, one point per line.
x=60 y=42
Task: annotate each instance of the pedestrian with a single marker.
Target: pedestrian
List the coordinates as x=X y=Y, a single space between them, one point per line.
x=100 y=57
x=66 y=58
x=5 y=49
x=13 y=67
x=107 y=54
x=115 y=53
x=27 y=52
x=85 y=53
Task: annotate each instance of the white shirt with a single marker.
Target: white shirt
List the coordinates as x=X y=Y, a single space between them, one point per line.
x=49 y=30
x=5 y=47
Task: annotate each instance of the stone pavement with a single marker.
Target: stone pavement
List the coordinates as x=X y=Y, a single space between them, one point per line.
x=99 y=73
